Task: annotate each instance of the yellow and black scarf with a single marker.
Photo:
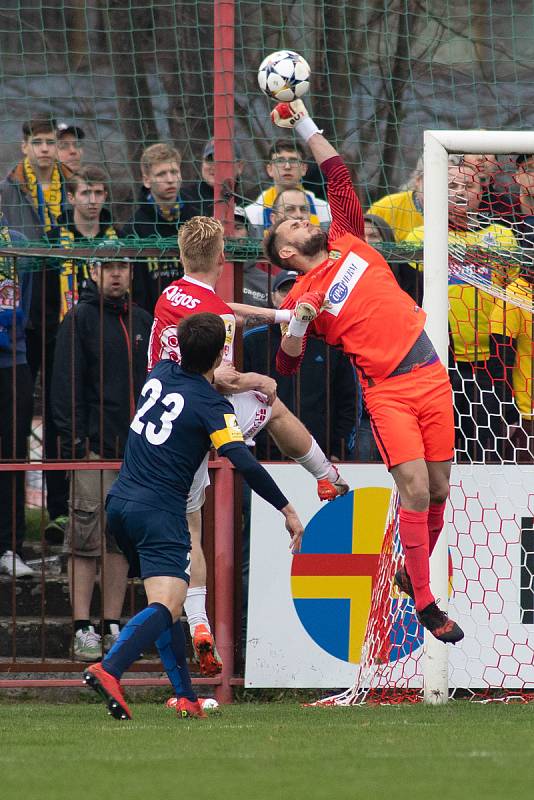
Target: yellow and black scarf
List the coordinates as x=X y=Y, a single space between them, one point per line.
x=172 y=215
x=46 y=203
x=74 y=271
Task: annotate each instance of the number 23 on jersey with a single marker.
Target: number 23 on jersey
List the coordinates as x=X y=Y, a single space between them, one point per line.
x=174 y=403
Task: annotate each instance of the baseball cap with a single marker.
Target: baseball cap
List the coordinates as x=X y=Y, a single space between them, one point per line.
x=67 y=127
x=286 y=276
x=209 y=150
x=523 y=157
x=105 y=252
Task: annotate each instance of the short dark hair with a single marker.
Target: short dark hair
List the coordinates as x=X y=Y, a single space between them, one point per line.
x=89 y=174
x=270 y=247
x=43 y=123
x=285 y=143
x=201 y=338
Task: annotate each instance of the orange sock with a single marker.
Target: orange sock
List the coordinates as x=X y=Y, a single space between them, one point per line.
x=413 y=532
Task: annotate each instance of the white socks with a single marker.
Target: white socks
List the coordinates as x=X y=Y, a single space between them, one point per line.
x=195 y=608
x=317 y=463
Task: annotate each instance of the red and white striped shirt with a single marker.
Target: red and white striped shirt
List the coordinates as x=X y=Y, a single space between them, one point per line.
x=180 y=299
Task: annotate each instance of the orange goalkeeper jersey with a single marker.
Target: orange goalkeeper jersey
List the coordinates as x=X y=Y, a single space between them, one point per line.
x=370 y=317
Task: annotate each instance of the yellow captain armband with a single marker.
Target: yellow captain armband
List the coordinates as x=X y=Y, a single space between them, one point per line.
x=231 y=433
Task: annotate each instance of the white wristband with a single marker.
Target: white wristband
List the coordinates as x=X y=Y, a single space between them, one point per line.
x=297 y=327
x=306 y=128
x=283 y=315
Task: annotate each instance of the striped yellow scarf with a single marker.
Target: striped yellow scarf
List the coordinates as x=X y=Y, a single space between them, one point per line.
x=73 y=272
x=47 y=202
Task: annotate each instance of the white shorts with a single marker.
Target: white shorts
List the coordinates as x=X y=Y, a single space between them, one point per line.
x=197 y=492
x=252 y=413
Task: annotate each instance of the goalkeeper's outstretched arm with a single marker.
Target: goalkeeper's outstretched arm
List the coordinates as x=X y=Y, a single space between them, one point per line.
x=345 y=207
x=294 y=115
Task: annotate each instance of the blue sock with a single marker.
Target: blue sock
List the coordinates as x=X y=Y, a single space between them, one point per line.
x=137 y=635
x=171 y=648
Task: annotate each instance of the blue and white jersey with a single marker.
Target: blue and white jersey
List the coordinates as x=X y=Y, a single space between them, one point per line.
x=179 y=417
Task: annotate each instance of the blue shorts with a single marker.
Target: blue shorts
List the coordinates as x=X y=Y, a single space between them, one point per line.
x=155 y=542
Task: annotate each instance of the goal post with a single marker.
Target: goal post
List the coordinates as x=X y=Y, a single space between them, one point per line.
x=438 y=145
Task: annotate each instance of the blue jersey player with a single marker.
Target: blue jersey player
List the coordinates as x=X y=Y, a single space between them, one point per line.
x=178 y=418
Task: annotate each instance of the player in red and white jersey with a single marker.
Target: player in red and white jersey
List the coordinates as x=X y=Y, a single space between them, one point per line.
x=348 y=296
x=180 y=299
x=253 y=396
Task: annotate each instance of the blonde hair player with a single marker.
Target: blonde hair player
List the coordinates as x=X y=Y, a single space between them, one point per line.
x=252 y=395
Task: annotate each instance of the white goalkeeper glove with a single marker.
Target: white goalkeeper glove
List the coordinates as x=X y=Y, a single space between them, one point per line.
x=309 y=305
x=294 y=115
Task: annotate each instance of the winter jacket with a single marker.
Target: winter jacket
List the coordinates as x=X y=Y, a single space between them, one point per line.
x=76 y=392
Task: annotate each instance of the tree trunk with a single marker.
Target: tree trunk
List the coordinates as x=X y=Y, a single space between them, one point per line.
x=129 y=74
x=395 y=86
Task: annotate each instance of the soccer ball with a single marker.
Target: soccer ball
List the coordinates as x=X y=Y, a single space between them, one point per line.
x=208 y=703
x=284 y=76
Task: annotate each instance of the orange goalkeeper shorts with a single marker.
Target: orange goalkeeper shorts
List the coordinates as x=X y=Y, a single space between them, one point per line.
x=412 y=415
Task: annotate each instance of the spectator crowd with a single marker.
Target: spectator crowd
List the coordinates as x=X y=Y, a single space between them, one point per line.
x=77 y=331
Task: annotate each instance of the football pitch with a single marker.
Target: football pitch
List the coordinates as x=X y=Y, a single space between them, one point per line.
x=268 y=751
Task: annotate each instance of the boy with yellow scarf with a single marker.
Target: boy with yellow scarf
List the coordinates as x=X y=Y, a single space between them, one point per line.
x=33 y=197
x=86 y=222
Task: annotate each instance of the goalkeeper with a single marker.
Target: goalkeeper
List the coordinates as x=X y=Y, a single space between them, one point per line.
x=348 y=296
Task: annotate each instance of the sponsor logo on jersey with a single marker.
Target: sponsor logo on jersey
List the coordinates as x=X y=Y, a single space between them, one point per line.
x=335 y=255
x=346 y=278
x=338 y=292
x=229 y=324
x=169 y=344
x=489 y=238
x=177 y=297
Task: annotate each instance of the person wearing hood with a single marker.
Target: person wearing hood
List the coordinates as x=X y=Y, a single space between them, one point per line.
x=99 y=370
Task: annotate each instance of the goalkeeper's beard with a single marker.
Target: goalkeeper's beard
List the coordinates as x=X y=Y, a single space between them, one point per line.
x=317 y=243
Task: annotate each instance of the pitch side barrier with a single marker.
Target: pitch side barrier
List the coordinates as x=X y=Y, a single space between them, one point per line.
x=35 y=613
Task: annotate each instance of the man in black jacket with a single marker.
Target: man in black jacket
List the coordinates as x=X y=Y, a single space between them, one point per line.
x=99 y=369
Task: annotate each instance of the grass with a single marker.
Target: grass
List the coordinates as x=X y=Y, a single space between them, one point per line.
x=33 y=524
x=268 y=752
